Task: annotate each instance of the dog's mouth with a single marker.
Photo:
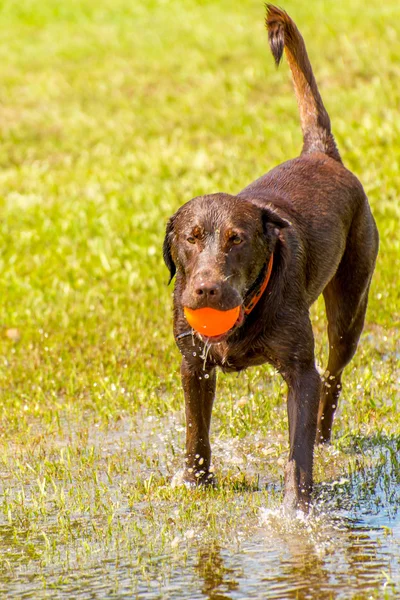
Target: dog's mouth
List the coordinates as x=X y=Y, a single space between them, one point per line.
x=217 y=339
x=250 y=301
x=214 y=339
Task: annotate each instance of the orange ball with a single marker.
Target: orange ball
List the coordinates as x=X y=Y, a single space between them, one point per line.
x=211 y=322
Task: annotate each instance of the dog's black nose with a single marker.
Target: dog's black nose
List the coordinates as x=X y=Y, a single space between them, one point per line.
x=209 y=290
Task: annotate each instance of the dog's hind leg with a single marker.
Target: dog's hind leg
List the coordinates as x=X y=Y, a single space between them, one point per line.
x=346 y=298
x=344 y=333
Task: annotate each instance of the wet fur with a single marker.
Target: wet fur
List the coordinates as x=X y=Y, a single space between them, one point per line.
x=313 y=215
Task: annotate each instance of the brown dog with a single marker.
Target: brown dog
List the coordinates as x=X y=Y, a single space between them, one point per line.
x=303 y=229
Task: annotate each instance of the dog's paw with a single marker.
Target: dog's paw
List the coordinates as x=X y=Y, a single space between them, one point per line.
x=180 y=479
x=185 y=478
x=296 y=506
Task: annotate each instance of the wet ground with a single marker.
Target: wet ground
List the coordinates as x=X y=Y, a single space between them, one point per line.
x=93 y=515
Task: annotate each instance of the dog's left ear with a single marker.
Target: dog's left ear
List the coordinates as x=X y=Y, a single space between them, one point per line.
x=167 y=249
x=272 y=222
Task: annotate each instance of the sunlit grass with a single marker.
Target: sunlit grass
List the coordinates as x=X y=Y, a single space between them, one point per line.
x=112 y=115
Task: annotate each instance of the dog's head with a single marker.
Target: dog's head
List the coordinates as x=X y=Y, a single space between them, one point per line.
x=219 y=245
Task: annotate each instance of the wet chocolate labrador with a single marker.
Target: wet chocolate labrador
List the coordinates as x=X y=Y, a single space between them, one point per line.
x=303 y=229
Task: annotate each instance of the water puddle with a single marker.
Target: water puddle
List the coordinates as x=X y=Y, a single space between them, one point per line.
x=93 y=515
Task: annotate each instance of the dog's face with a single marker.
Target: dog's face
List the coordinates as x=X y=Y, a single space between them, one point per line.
x=219 y=244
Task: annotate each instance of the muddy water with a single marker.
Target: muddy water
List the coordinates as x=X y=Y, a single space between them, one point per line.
x=162 y=546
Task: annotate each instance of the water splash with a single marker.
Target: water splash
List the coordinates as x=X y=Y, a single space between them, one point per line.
x=314 y=529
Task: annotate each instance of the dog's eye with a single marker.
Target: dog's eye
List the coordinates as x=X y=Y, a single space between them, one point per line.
x=191 y=239
x=236 y=239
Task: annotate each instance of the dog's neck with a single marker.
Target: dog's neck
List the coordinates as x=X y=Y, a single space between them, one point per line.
x=258 y=287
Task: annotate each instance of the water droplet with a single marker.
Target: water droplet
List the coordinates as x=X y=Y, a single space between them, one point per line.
x=206 y=350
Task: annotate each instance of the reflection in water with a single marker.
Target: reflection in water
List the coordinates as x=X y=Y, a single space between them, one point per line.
x=218 y=579
x=329 y=555
x=302 y=571
x=349 y=547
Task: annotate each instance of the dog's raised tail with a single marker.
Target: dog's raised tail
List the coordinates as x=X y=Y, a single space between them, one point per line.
x=315 y=123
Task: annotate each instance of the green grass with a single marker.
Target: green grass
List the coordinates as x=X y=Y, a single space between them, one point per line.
x=112 y=114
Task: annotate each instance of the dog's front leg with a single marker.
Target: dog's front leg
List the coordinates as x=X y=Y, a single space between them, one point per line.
x=199 y=389
x=304 y=386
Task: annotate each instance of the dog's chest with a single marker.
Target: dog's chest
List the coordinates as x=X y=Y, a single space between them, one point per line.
x=236 y=357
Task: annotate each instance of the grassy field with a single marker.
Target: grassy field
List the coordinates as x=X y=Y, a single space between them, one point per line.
x=112 y=114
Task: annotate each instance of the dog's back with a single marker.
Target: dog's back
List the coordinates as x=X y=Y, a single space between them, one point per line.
x=314 y=191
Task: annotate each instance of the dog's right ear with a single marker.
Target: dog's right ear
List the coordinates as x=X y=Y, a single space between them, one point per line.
x=167 y=249
x=273 y=223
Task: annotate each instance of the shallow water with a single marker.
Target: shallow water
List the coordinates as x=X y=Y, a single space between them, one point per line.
x=162 y=543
